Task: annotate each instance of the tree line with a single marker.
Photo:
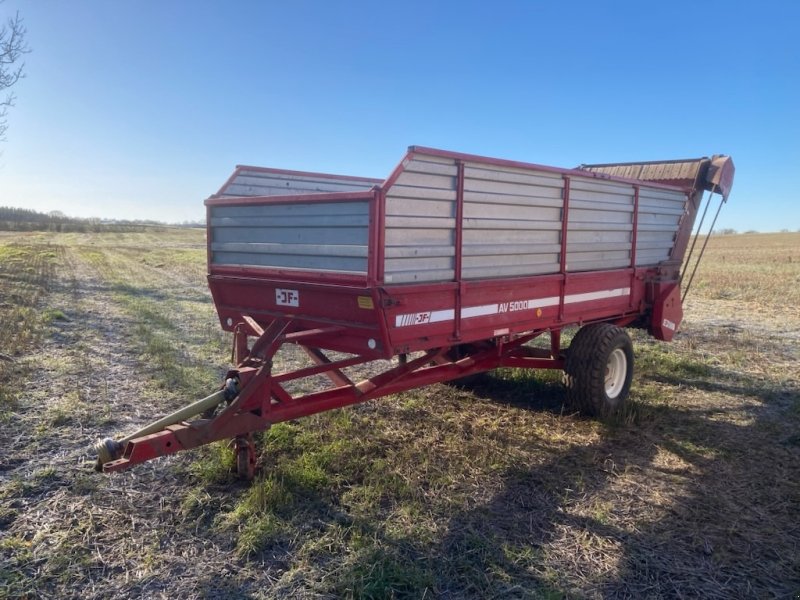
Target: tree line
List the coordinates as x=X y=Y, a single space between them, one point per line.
x=24 y=219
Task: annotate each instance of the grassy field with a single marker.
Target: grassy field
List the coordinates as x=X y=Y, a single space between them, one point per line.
x=496 y=491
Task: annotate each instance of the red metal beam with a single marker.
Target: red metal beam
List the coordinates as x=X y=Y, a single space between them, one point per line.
x=563 y=256
x=634 y=239
x=326 y=366
x=459 y=248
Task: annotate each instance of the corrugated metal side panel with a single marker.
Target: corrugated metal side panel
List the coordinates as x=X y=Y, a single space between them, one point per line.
x=309 y=236
x=600 y=225
x=512 y=221
x=660 y=213
x=267 y=183
x=420 y=222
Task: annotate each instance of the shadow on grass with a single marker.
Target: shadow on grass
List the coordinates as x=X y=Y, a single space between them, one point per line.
x=671 y=502
x=721 y=520
x=525 y=391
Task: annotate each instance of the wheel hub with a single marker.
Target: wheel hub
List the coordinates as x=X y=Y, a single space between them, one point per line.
x=616 y=371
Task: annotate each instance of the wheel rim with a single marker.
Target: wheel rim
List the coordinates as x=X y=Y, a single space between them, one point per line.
x=616 y=371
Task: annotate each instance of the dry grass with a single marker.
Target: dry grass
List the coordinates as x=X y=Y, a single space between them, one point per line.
x=440 y=492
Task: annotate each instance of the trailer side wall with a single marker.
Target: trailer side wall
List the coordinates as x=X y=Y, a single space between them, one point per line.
x=513 y=221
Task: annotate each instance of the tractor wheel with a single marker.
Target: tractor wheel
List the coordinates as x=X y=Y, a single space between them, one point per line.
x=599 y=370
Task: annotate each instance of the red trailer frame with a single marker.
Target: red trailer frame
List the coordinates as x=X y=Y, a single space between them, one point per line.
x=435 y=331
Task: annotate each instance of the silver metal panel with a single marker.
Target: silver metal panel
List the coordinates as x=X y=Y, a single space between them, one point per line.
x=668 y=210
x=652 y=247
x=300 y=221
x=617 y=256
x=501 y=261
x=291 y=261
x=587 y=196
x=598 y=185
x=512 y=189
x=660 y=245
x=659 y=194
x=418 y=276
x=431 y=159
x=653 y=256
x=513 y=175
x=657 y=227
x=596 y=227
x=409 y=206
x=598 y=205
x=655 y=236
x=419 y=237
x=657 y=218
x=304 y=209
x=522 y=236
x=323 y=236
x=474 y=210
x=512 y=222
x=543 y=199
x=433 y=168
x=592 y=263
x=509 y=249
x=576 y=247
x=507 y=271
x=420 y=222
x=404 y=191
x=512 y=219
x=660 y=213
x=306 y=249
x=414 y=251
x=600 y=224
x=599 y=236
x=290 y=235
x=599 y=217
x=437 y=182
x=420 y=263
x=275 y=183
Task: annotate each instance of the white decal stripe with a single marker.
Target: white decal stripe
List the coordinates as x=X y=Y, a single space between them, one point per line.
x=493 y=309
x=442 y=315
x=478 y=311
x=483 y=310
x=544 y=302
x=586 y=297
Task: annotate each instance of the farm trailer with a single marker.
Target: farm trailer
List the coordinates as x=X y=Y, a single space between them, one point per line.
x=446 y=269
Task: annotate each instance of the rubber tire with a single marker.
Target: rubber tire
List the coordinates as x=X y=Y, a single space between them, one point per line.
x=585 y=369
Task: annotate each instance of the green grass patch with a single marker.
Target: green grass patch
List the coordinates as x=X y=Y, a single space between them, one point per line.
x=378 y=572
x=659 y=359
x=260 y=532
x=54 y=314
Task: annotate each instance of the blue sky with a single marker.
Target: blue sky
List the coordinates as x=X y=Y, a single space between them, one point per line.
x=142 y=109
